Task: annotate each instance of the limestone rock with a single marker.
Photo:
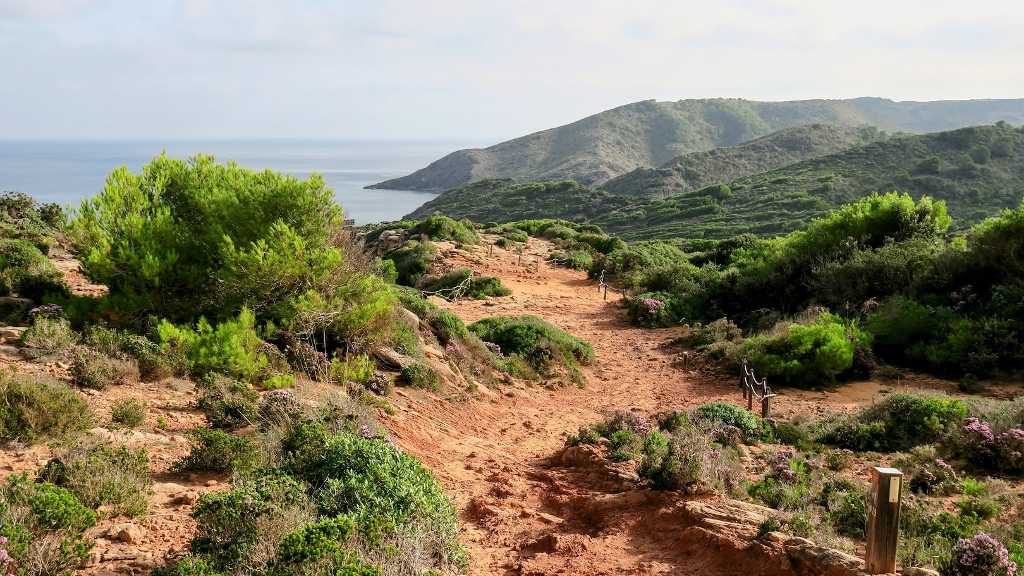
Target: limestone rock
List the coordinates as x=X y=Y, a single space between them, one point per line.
x=127 y=533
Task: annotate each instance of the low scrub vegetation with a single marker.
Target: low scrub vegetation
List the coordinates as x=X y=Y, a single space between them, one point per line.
x=101 y=474
x=536 y=345
x=33 y=409
x=463 y=283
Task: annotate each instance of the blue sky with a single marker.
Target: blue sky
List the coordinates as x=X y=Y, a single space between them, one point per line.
x=469 y=69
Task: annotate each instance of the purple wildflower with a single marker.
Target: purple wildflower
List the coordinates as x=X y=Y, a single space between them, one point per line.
x=981 y=555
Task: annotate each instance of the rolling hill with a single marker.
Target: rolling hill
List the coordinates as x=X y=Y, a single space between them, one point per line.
x=699 y=169
x=978 y=171
x=600 y=147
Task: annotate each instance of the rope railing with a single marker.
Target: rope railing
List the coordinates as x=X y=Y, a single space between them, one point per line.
x=453 y=292
x=754 y=388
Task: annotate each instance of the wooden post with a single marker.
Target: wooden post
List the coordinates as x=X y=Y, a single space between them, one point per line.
x=605 y=291
x=490 y=250
x=766 y=408
x=883 y=520
x=750 y=395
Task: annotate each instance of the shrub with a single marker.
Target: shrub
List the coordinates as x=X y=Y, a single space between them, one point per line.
x=97 y=371
x=927 y=473
x=227 y=403
x=101 y=474
x=372 y=481
x=412 y=260
x=981 y=555
x=154 y=363
x=624 y=445
x=196 y=238
x=218 y=451
x=27 y=271
x=848 y=512
x=47 y=336
x=463 y=282
x=32 y=409
x=440 y=227
x=187 y=566
x=128 y=412
x=651 y=309
x=322 y=544
x=358 y=368
x=241 y=528
x=805 y=355
x=232 y=348
x=44 y=527
x=420 y=375
x=724 y=413
x=899 y=422
x=689 y=462
x=540 y=344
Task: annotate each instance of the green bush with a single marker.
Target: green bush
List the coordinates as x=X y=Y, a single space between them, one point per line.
x=689 y=461
x=128 y=412
x=358 y=368
x=574 y=259
x=187 y=566
x=196 y=238
x=463 y=282
x=44 y=526
x=28 y=272
x=371 y=481
x=412 y=260
x=898 y=422
x=97 y=371
x=724 y=413
x=154 y=362
x=420 y=375
x=218 y=451
x=101 y=474
x=48 y=336
x=805 y=355
x=227 y=403
x=540 y=344
x=321 y=544
x=255 y=515
x=32 y=409
x=232 y=348
x=440 y=227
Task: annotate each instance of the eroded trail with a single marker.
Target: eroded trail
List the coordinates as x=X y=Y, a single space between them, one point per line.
x=521 y=514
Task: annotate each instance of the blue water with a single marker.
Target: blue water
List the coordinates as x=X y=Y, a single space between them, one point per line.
x=68 y=171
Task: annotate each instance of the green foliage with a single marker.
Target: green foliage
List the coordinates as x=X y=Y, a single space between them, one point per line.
x=102 y=474
x=48 y=336
x=187 y=566
x=232 y=348
x=412 y=260
x=724 y=413
x=32 y=409
x=192 y=238
x=689 y=461
x=805 y=355
x=463 y=282
x=128 y=412
x=227 y=403
x=43 y=522
x=97 y=371
x=419 y=375
x=438 y=227
x=358 y=368
x=574 y=259
x=232 y=524
x=540 y=344
x=898 y=422
x=218 y=451
x=154 y=362
x=26 y=270
x=322 y=543
x=371 y=481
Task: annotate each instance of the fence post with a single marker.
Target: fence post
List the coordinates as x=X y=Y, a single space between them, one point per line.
x=490 y=250
x=766 y=408
x=883 y=520
x=605 y=291
x=750 y=394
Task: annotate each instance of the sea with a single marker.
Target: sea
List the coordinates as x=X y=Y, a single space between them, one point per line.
x=67 y=171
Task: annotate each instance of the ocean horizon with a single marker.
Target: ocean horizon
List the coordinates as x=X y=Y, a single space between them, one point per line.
x=68 y=171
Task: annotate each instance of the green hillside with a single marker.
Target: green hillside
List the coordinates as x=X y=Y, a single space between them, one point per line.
x=977 y=171
x=600 y=147
x=700 y=169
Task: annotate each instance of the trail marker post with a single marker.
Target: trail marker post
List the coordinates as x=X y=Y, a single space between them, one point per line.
x=883 y=520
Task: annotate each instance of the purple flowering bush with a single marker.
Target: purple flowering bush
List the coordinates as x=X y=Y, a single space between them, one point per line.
x=984 y=448
x=6 y=562
x=981 y=555
x=651 y=309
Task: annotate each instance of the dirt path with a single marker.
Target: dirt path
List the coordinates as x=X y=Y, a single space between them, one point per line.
x=522 y=515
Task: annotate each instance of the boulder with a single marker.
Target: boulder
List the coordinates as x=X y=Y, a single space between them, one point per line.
x=127 y=533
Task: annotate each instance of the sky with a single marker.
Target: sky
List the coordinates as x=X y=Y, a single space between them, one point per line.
x=480 y=69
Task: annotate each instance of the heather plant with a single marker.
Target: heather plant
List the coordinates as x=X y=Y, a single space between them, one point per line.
x=927 y=473
x=439 y=227
x=47 y=336
x=717 y=414
x=420 y=375
x=42 y=527
x=97 y=371
x=218 y=451
x=102 y=474
x=33 y=408
x=690 y=462
x=128 y=412
x=898 y=422
x=981 y=555
x=227 y=403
